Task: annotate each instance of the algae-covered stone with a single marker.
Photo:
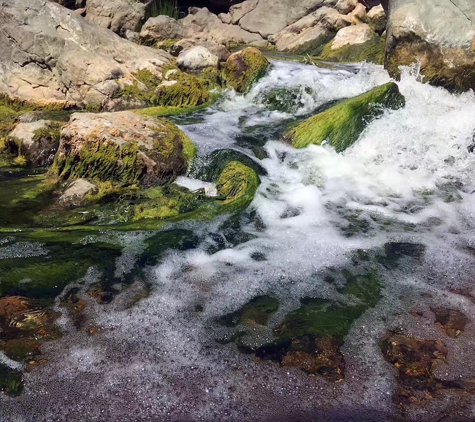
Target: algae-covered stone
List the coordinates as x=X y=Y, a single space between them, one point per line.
x=437 y=34
x=342 y=124
x=37 y=142
x=355 y=43
x=237 y=183
x=122 y=148
x=244 y=68
x=185 y=91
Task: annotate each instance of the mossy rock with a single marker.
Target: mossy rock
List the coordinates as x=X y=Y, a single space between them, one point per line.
x=244 y=68
x=208 y=168
x=342 y=124
x=122 y=148
x=11 y=381
x=371 y=51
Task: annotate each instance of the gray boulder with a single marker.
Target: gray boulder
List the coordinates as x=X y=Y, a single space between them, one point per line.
x=161 y=28
x=271 y=16
x=203 y=25
x=117 y=15
x=52 y=56
x=439 y=34
x=186 y=43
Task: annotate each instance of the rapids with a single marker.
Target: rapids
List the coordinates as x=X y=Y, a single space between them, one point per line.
x=409 y=180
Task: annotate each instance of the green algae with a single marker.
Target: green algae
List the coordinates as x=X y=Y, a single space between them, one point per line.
x=244 y=68
x=258 y=311
x=11 y=381
x=342 y=124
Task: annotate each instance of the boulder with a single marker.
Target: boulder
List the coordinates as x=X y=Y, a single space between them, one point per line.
x=346 y=6
x=37 y=142
x=203 y=25
x=271 y=16
x=161 y=28
x=239 y=10
x=77 y=191
x=243 y=68
x=52 y=56
x=376 y=18
x=121 y=148
x=355 y=43
x=342 y=124
x=351 y=35
x=439 y=34
x=117 y=15
x=196 y=58
x=225 y=18
x=215 y=48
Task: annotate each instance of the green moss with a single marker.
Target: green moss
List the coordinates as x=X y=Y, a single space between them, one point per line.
x=237 y=183
x=174 y=111
x=371 y=51
x=244 y=68
x=165 y=44
x=187 y=92
x=342 y=124
x=93 y=108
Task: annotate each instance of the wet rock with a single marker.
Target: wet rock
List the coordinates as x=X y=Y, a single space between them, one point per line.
x=161 y=28
x=118 y=16
x=11 y=381
x=451 y=321
x=196 y=58
x=77 y=191
x=415 y=361
x=37 y=142
x=258 y=311
x=323 y=357
x=122 y=148
x=439 y=34
x=244 y=68
x=342 y=124
x=71 y=62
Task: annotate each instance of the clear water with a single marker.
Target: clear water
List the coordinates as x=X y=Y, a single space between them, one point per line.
x=408 y=179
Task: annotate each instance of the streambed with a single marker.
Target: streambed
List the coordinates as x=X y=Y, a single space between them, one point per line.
x=288 y=311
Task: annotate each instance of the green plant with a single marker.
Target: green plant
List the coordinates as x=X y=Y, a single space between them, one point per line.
x=164 y=7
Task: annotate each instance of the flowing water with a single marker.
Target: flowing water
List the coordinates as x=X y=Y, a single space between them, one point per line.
x=396 y=209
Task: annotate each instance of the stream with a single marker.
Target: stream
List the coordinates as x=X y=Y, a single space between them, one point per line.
x=219 y=316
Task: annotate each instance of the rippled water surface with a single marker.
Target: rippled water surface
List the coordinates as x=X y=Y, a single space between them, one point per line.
x=399 y=205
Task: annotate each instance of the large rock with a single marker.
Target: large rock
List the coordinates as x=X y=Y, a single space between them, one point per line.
x=244 y=68
x=351 y=35
x=237 y=11
x=440 y=34
x=161 y=28
x=271 y=16
x=51 y=55
x=122 y=148
x=203 y=25
x=215 y=48
x=342 y=124
x=118 y=15
x=311 y=31
x=37 y=142
x=196 y=58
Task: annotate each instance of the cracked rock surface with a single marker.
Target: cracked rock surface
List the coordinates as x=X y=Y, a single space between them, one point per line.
x=51 y=55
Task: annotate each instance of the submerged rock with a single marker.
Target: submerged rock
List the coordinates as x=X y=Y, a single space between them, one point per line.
x=244 y=68
x=52 y=56
x=77 y=191
x=342 y=124
x=451 y=321
x=122 y=148
x=438 y=34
